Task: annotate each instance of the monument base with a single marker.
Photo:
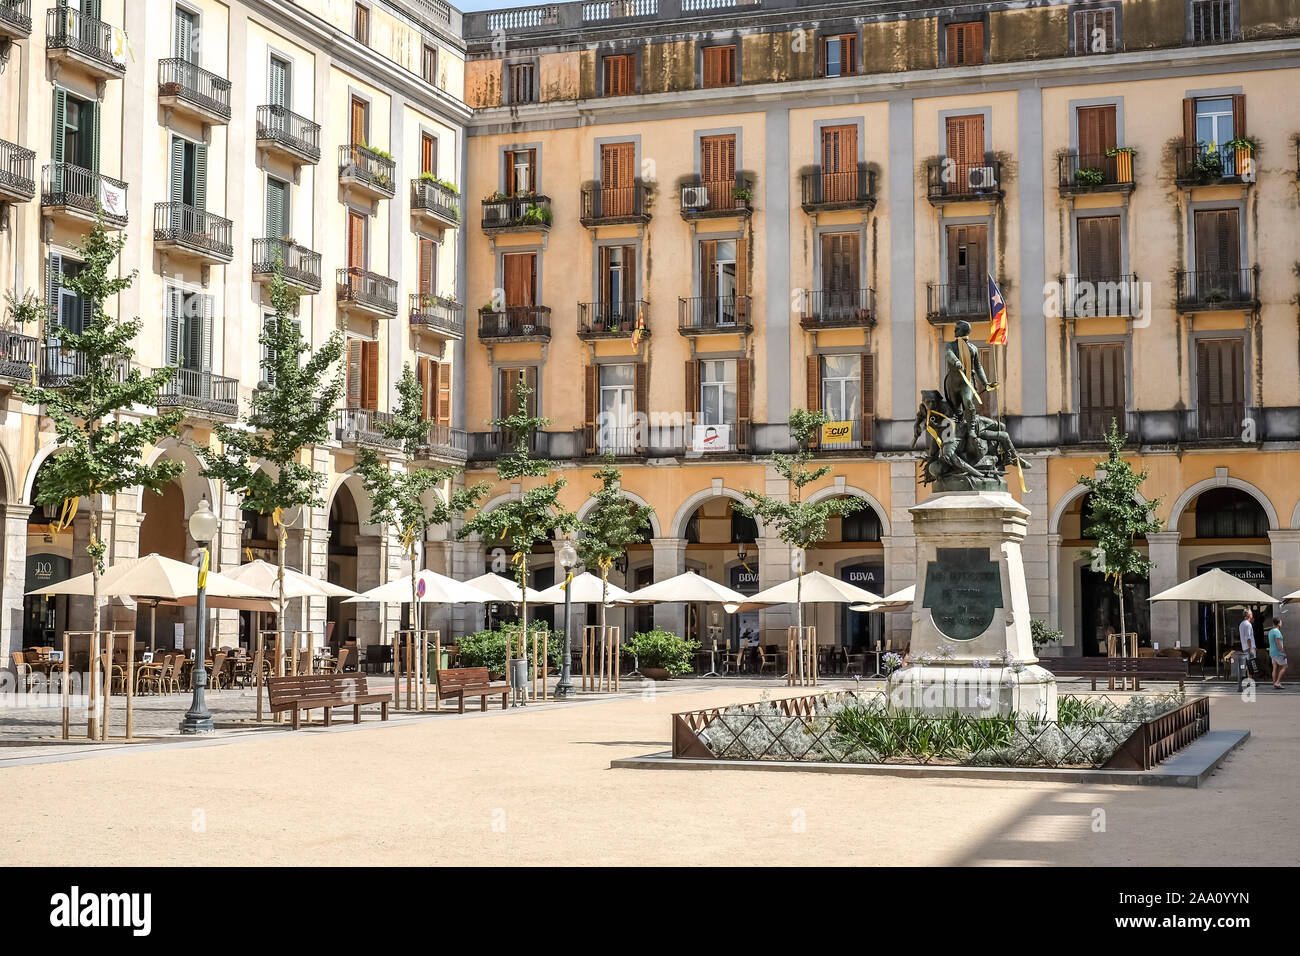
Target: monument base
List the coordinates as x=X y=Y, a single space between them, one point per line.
x=1029 y=691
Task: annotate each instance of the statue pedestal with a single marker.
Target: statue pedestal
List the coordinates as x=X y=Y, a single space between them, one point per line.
x=971 y=649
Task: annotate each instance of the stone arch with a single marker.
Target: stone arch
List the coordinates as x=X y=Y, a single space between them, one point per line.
x=1222 y=481
x=850 y=491
x=1074 y=494
x=29 y=482
x=678 y=527
x=7 y=486
x=1295 y=517
x=360 y=498
x=191 y=481
x=635 y=499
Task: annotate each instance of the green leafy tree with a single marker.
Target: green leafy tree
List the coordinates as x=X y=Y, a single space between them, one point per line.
x=101 y=450
x=266 y=460
x=800 y=524
x=409 y=500
x=613 y=524
x=1118 y=520
x=536 y=514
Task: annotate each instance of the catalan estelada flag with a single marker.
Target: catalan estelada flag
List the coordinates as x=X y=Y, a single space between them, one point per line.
x=639 y=332
x=997 y=315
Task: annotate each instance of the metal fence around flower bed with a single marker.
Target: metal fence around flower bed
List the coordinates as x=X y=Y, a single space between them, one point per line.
x=1093 y=732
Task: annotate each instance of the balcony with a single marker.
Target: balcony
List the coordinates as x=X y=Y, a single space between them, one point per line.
x=367 y=172
x=711 y=199
x=515 y=323
x=947 y=303
x=17 y=172
x=284 y=133
x=826 y=191
x=59 y=366
x=835 y=309
x=963 y=182
x=488 y=446
x=434 y=313
x=435 y=202
x=611 y=206
x=1218 y=290
x=367 y=293
x=1086 y=297
x=190 y=90
x=525 y=213
x=444 y=443
x=1202 y=165
x=68 y=190
x=299 y=265
x=1077 y=174
x=729 y=437
x=194 y=233
x=93 y=45
x=364 y=426
x=18 y=354
x=15 y=19
x=704 y=315
x=201 y=394
x=612 y=320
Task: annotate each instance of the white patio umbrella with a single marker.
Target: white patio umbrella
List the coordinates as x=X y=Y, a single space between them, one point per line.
x=1219 y=588
x=900 y=600
x=263 y=574
x=155 y=576
x=817 y=588
x=502 y=588
x=688 y=588
x=586 y=588
x=429 y=586
x=1291 y=598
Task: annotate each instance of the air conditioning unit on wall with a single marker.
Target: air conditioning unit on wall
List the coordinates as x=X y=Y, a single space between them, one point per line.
x=981 y=177
x=695 y=197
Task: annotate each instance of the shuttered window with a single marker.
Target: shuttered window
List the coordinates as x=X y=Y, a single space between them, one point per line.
x=277 y=208
x=356 y=240
x=719 y=65
x=361 y=22
x=363 y=374
x=520 y=171
x=278 y=92
x=1097 y=134
x=1099 y=249
x=618 y=281
x=1212 y=21
x=268 y=354
x=429 y=64
x=965 y=44
x=1220 y=387
x=428 y=266
x=965 y=141
x=618 y=75
x=185 y=36
x=837 y=55
x=520 y=271
x=1094 y=32
x=839 y=157
x=718 y=169
x=967 y=266
x=428 y=154
x=188 y=330
x=75 y=131
x=1218 y=245
x=521 y=79
x=839 y=262
x=508 y=380
x=1101 y=389
x=617 y=179
x=359 y=121
x=67 y=309
x=189 y=173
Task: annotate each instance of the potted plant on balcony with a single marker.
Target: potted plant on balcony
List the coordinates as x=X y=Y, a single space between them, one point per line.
x=1208 y=164
x=1243 y=148
x=1087 y=177
x=536 y=215
x=743 y=195
x=1123 y=156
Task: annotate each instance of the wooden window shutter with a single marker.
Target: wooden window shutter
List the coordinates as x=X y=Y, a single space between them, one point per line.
x=358 y=121
x=1217 y=244
x=428 y=158
x=444 y=370
x=206 y=333
x=591 y=405
x=868 y=386
x=965 y=44
x=743 y=401
x=356 y=240
x=355 y=393
x=742 y=266
x=692 y=387
x=370 y=375
x=641 y=387
x=1096 y=134
x=708 y=267
x=814 y=389
x=1189 y=121
x=178 y=170
x=849 y=54
x=821 y=56
x=427 y=260
x=1239 y=114
x=423 y=374
x=629 y=283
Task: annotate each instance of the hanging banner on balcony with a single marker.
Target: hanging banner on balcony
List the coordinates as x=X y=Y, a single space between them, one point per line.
x=711 y=438
x=837 y=433
x=112 y=198
x=117 y=45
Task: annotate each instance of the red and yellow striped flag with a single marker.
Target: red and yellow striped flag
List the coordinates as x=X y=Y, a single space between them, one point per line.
x=997 y=315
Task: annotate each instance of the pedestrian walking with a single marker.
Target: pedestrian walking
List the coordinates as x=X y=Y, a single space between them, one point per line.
x=1276 y=653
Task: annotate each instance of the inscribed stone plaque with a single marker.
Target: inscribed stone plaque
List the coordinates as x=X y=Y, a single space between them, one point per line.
x=963 y=589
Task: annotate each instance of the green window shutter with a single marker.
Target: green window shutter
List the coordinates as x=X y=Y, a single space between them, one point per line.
x=178 y=169
x=60 y=121
x=172 y=342
x=201 y=177
x=205 y=333
x=277 y=224
x=184 y=37
x=92 y=112
x=92 y=8
x=53 y=282
x=277 y=83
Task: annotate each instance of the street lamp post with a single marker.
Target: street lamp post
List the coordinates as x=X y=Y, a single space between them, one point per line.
x=203 y=528
x=568 y=558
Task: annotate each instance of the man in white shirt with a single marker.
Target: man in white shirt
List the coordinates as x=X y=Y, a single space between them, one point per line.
x=1247 y=632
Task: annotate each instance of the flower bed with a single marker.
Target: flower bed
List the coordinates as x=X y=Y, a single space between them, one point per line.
x=1089 y=732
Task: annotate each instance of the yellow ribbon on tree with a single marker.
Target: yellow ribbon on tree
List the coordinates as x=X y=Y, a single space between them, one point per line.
x=66 y=515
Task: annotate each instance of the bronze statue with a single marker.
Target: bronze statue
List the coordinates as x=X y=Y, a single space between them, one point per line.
x=963 y=372
x=962 y=453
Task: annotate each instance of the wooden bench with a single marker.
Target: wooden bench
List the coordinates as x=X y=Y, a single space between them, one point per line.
x=1137 y=669
x=323 y=692
x=462 y=682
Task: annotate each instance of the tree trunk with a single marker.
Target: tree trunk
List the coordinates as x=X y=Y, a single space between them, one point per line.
x=523 y=613
x=1123 y=629
x=92 y=719
x=798 y=600
x=281 y=544
x=417 y=636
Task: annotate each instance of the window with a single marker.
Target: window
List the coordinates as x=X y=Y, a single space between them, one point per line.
x=359 y=121
x=618 y=179
x=1217 y=236
x=521 y=171
x=1097 y=134
x=508 y=380
x=718 y=169
x=1230 y=513
x=76 y=131
x=1094 y=31
x=837 y=55
x=617 y=408
x=358 y=225
x=840 y=264
x=67 y=309
x=839 y=155
x=861 y=525
x=1101 y=389
x=189 y=173
x=428 y=256
x=185 y=36
x=965 y=44
x=717 y=392
x=188 y=325
x=521 y=82
x=968 y=265
x=278 y=224
x=429 y=64
x=618 y=75
x=435 y=388
x=719 y=66
x=428 y=154
x=719 y=279
x=964 y=144
x=618 y=284
x=841 y=387
x=1099 y=249
x=279 y=91
x=361 y=22
x=1220 y=387
x=520 y=270
x=1212 y=21
x=268 y=355
x=363 y=374
x=1214 y=120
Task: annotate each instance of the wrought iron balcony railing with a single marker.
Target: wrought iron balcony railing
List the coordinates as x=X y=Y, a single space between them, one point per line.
x=367 y=289
x=442 y=315
x=854 y=188
x=17 y=171
x=612 y=319
x=428 y=195
x=59 y=366
x=1217 y=289
x=201 y=391
x=950 y=301
x=364 y=426
x=528 y=211
x=713 y=313
x=191 y=84
x=445 y=442
x=1086 y=172
x=515 y=321
x=67 y=186
x=194 y=229
x=1097 y=296
x=299 y=265
x=368 y=168
x=839 y=308
x=947 y=181
x=286 y=129
x=1207 y=165
x=15 y=18
x=723 y=197
x=18 y=354
x=97 y=42
x=611 y=204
